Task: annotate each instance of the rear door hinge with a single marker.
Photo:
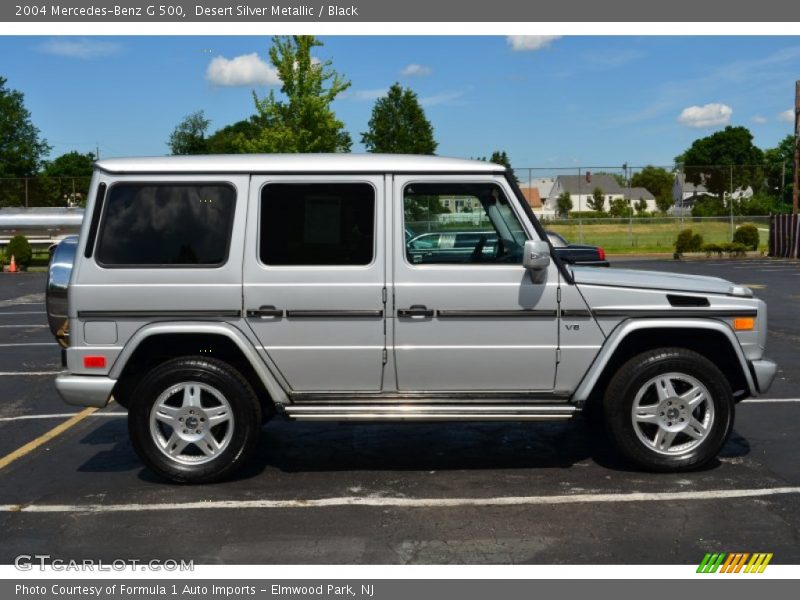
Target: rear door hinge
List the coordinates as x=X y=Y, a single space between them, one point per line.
x=558 y=295
x=384 y=295
x=385 y=356
x=558 y=355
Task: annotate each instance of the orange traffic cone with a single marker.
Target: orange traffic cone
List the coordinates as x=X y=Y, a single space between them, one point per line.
x=12 y=267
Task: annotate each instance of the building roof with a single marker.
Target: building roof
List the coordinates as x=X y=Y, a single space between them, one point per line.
x=296 y=163
x=532 y=196
x=638 y=193
x=577 y=184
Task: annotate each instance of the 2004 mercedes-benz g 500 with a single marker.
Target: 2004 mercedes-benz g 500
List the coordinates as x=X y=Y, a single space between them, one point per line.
x=207 y=294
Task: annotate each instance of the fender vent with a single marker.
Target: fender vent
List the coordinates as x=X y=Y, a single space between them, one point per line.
x=683 y=301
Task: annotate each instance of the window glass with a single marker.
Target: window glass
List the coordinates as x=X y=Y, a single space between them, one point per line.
x=461 y=223
x=166 y=224
x=317 y=224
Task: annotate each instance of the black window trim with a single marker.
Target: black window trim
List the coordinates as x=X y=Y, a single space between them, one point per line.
x=99 y=202
x=175 y=182
x=326 y=181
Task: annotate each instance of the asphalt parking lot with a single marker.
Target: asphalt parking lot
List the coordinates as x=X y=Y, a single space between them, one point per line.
x=409 y=493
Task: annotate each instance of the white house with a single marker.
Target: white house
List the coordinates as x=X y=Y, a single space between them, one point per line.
x=685 y=194
x=581 y=189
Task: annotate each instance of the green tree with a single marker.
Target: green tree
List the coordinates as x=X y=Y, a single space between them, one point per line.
x=21 y=148
x=232 y=138
x=658 y=182
x=597 y=201
x=641 y=206
x=304 y=120
x=398 y=125
x=70 y=164
x=780 y=169
x=66 y=180
x=189 y=136
x=724 y=158
x=564 y=204
x=620 y=208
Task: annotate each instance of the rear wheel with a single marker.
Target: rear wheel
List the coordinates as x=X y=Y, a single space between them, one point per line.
x=194 y=420
x=669 y=409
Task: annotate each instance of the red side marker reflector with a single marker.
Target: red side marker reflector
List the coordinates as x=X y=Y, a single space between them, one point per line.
x=94 y=362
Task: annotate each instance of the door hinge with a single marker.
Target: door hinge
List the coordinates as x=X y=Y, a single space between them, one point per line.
x=558 y=295
x=385 y=356
x=384 y=295
x=558 y=355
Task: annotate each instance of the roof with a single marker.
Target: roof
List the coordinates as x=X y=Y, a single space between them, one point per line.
x=532 y=196
x=638 y=193
x=577 y=184
x=296 y=163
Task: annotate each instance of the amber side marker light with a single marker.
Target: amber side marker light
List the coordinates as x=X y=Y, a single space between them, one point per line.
x=744 y=323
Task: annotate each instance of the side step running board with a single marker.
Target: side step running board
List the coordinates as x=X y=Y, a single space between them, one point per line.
x=372 y=412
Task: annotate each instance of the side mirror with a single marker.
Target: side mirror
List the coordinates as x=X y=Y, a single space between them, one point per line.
x=536 y=259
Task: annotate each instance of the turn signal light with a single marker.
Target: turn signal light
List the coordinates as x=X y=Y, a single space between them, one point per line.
x=94 y=362
x=744 y=324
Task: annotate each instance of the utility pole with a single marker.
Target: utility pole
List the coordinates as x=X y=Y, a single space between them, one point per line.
x=97 y=151
x=796 y=146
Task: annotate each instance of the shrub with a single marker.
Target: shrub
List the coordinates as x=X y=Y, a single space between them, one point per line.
x=747 y=235
x=20 y=249
x=710 y=249
x=734 y=249
x=688 y=241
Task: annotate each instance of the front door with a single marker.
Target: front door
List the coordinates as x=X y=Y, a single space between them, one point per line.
x=467 y=315
x=314 y=285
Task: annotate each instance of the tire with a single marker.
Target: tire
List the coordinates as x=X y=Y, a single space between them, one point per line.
x=669 y=410
x=194 y=420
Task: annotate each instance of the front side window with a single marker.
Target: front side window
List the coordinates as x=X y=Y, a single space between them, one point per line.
x=484 y=229
x=166 y=225
x=317 y=224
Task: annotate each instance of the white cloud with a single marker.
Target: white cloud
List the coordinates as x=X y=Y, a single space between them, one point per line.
x=364 y=94
x=786 y=116
x=708 y=115
x=443 y=98
x=524 y=43
x=759 y=120
x=244 y=70
x=83 y=48
x=414 y=70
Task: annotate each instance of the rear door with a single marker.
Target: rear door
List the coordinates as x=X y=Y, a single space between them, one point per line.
x=314 y=279
x=469 y=318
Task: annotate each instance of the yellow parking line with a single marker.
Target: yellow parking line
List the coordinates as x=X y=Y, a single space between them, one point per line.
x=43 y=439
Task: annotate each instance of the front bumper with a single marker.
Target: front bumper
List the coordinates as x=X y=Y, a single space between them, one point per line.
x=763 y=373
x=84 y=390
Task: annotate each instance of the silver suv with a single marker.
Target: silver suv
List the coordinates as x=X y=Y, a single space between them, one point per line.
x=209 y=294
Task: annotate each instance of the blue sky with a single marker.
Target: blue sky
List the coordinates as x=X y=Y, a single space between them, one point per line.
x=549 y=102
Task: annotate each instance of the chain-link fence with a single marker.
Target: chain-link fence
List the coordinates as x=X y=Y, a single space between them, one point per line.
x=44 y=191
x=647 y=191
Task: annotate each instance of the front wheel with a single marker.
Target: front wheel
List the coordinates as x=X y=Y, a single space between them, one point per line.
x=669 y=409
x=194 y=420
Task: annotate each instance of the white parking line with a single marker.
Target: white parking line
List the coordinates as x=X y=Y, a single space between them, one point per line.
x=27 y=373
x=769 y=400
x=61 y=416
x=383 y=502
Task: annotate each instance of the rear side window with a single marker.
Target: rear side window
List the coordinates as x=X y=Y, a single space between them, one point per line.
x=317 y=224
x=166 y=224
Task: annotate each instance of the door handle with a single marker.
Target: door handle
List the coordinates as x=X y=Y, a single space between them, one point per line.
x=265 y=311
x=418 y=311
